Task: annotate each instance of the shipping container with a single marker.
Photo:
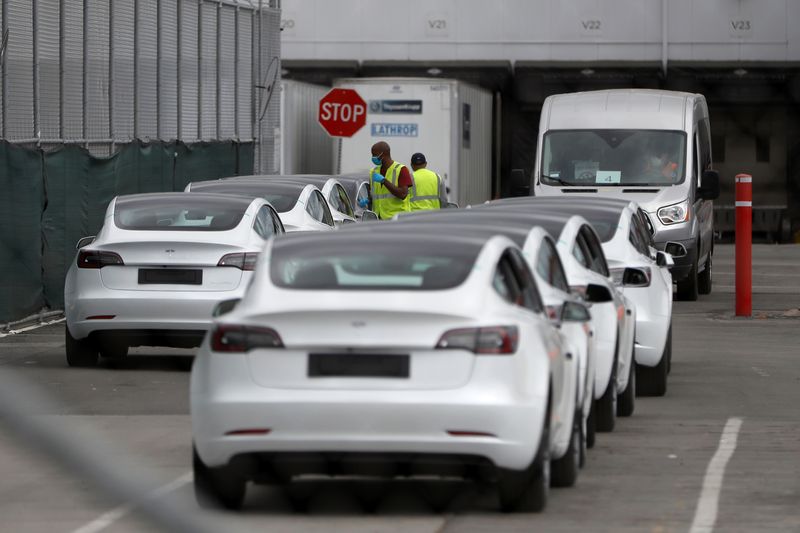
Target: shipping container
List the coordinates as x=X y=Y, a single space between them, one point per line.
x=447 y=120
x=305 y=148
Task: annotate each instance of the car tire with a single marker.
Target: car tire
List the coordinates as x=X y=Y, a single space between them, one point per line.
x=527 y=490
x=80 y=352
x=564 y=470
x=605 y=407
x=627 y=400
x=704 y=278
x=591 y=425
x=687 y=288
x=217 y=488
x=653 y=380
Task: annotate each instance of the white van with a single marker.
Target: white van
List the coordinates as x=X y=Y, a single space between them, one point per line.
x=649 y=146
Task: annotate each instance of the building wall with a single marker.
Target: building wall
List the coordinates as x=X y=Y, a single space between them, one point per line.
x=542 y=30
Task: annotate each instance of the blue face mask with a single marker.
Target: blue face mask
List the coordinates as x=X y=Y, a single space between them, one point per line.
x=376 y=160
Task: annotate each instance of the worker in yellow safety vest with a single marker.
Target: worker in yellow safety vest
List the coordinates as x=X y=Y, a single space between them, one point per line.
x=391 y=182
x=427 y=189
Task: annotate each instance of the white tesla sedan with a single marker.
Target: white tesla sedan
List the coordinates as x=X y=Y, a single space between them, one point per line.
x=612 y=315
x=339 y=201
x=301 y=206
x=157 y=268
x=641 y=272
x=425 y=354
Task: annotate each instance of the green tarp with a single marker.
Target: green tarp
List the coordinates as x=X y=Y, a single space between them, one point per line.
x=52 y=199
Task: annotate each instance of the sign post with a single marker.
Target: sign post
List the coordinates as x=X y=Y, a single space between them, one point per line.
x=342 y=112
x=744 y=245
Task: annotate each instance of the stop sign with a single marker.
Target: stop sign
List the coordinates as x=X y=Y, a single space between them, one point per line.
x=342 y=112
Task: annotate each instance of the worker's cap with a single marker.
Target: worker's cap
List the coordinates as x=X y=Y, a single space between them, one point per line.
x=418 y=159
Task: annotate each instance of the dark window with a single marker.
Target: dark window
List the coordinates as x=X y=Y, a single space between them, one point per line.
x=327 y=217
x=317 y=207
x=549 y=266
x=370 y=265
x=179 y=212
x=263 y=224
x=276 y=222
x=343 y=201
x=531 y=299
x=505 y=283
x=762 y=147
x=580 y=252
x=596 y=257
x=718 y=146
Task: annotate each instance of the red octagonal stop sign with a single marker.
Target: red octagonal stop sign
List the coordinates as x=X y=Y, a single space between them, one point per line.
x=342 y=112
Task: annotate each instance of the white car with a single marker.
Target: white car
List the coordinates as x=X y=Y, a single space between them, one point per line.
x=563 y=308
x=334 y=192
x=302 y=207
x=427 y=354
x=612 y=314
x=641 y=273
x=157 y=268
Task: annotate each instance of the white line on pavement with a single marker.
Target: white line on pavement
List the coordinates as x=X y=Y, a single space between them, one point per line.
x=108 y=518
x=705 y=515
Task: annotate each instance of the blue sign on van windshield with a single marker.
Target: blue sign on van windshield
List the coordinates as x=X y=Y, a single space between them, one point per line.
x=383 y=129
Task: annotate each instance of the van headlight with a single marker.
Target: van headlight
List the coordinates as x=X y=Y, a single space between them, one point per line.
x=675 y=213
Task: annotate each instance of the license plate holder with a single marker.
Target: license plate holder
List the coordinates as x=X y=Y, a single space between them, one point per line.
x=170 y=276
x=358 y=365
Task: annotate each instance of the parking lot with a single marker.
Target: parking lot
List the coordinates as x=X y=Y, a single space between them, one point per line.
x=648 y=475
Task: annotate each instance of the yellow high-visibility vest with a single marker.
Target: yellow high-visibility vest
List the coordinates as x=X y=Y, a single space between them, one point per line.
x=384 y=203
x=425 y=190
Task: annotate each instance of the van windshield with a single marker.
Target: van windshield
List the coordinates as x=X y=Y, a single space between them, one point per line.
x=608 y=158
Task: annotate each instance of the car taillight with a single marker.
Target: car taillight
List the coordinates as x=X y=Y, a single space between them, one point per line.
x=495 y=340
x=242 y=339
x=240 y=260
x=98 y=259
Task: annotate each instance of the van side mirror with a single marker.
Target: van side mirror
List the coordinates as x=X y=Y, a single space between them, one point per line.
x=84 y=242
x=597 y=294
x=520 y=186
x=574 y=312
x=664 y=259
x=452 y=205
x=225 y=307
x=368 y=215
x=709 y=188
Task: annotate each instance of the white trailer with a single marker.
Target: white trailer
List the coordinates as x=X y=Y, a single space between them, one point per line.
x=447 y=120
x=305 y=148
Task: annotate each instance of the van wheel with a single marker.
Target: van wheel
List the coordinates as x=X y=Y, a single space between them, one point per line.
x=653 y=380
x=527 y=490
x=80 y=352
x=565 y=469
x=687 y=288
x=605 y=407
x=704 y=279
x=216 y=488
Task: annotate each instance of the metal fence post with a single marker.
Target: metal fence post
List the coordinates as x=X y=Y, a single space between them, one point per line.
x=135 y=69
x=158 y=69
x=35 y=39
x=200 y=70
x=218 y=99
x=85 y=88
x=111 y=75
x=3 y=70
x=236 y=75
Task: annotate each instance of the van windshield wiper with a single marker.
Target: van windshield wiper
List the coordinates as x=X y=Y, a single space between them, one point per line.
x=563 y=181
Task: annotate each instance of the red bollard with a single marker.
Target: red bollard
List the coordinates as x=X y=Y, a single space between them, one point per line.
x=744 y=245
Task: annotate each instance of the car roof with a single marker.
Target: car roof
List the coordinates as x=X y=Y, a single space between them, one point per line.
x=475 y=229
x=254 y=187
x=232 y=200
x=553 y=223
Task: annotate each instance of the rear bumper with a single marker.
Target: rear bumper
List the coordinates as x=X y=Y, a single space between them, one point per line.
x=142 y=310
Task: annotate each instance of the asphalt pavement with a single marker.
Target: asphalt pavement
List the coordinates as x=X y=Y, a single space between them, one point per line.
x=662 y=470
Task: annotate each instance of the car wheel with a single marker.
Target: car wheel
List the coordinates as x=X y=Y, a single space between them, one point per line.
x=564 y=470
x=80 y=352
x=591 y=425
x=687 y=288
x=582 y=441
x=704 y=279
x=527 y=490
x=627 y=400
x=216 y=488
x=653 y=380
x=606 y=406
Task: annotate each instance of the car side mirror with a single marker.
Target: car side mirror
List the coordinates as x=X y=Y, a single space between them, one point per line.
x=598 y=294
x=84 y=241
x=709 y=188
x=663 y=259
x=367 y=215
x=520 y=186
x=452 y=205
x=225 y=306
x=575 y=312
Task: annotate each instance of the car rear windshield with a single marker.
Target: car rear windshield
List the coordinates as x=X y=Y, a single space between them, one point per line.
x=173 y=213
x=282 y=196
x=608 y=158
x=370 y=265
x=604 y=222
